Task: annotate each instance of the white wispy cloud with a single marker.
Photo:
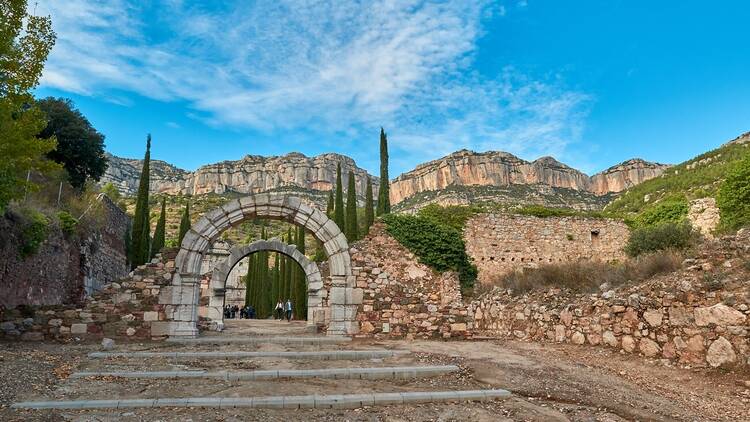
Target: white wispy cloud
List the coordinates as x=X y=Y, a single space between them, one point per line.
x=327 y=66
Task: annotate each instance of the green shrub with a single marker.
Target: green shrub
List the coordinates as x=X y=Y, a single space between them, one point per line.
x=660 y=237
x=672 y=210
x=68 y=223
x=33 y=233
x=733 y=199
x=453 y=215
x=544 y=212
x=439 y=246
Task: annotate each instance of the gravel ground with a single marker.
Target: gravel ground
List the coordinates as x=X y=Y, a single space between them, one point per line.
x=549 y=383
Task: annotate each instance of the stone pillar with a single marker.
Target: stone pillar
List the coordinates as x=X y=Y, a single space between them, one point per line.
x=216 y=308
x=344 y=300
x=187 y=297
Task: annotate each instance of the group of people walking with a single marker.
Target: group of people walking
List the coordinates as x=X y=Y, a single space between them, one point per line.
x=281 y=311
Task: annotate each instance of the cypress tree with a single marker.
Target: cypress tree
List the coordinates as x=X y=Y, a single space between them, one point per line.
x=293 y=275
x=249 y=280
x=184 y=223
x=352 y=227
x=160 y=232
x=330 y=207
x=369 y=208
x=301 y=306
x=384 y=200
x=139 y=242
x=275 y=281
x=338 y=209
x=282 y=274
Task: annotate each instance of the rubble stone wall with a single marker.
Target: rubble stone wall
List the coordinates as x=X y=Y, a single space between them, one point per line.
x=698 y=316
x=401 y=296
x=128 y=309
x=499 y=243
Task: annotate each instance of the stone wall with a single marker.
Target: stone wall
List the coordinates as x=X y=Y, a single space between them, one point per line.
x=499 y=243
x=126 y=310
x=402 y=297
x=699 y=316
x=65 y=267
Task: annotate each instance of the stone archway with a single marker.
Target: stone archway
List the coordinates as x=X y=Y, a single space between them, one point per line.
x=181 y=298
x=315 y=292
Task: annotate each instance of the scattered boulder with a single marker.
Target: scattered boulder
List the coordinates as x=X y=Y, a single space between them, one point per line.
x=721 y=353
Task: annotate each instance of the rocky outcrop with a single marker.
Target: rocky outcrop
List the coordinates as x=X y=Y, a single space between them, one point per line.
x=625 y=175
x=468 y=168
x=251 y=174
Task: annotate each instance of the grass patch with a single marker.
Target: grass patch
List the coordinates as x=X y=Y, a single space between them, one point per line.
x=587 y=276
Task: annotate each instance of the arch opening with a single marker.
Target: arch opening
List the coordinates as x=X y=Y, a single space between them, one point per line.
x=182 y=297
x=316 y=311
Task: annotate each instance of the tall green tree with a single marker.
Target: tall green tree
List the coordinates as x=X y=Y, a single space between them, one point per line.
x=331 y=204
x=160 y=232
x=352 y=226
x=184 y=223
x=300 y=308
x=369 y=207
x=338 y=209
x=140 y=249
x=733 y=199
x=80 y=147
x=384 y=200
x=275 y=284
x=25 y=43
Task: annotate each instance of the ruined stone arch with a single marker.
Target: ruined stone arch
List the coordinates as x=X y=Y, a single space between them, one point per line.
x=181 y=298
x=315 y=292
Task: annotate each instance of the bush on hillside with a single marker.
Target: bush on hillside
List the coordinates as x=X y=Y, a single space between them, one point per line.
x=733 y=199
x=34 y=232
x=588 y=276
x=673 y=210
x=453 y=215
x=439 y=246
x=68 y=223
x=546 y=212
x=660 y=237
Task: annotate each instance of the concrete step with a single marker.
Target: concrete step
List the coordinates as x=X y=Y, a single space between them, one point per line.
x=337 y=373
x=286 y=340
x=312 y=355
x=278 y=402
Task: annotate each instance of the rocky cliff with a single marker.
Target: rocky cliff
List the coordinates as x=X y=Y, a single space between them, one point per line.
x=251 y=174
x=625 y=175
x=468 y=168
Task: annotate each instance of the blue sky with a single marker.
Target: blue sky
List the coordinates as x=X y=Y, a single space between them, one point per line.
x=591 y=83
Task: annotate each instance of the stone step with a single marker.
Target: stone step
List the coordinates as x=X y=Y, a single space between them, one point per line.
x=286 y=340
x=337 y=373
x=278 y=402
x=312 y=355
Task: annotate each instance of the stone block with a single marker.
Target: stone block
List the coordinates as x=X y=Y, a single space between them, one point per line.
x=204 y=227
x=78 y=328
x=150 y=316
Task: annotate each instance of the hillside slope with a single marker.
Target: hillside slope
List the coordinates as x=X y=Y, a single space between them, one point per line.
x=699 y=177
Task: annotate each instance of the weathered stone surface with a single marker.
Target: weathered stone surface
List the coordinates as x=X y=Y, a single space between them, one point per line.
x=718 y=314
x=577 y=338
x=648 y=347
x=495 y=168
x=628 y=344
x=721 y=353
x=499 y=243
x=252 y=174
x=653 y=317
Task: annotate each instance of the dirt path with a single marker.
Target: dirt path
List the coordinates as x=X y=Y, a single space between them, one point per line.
x=549 y=382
